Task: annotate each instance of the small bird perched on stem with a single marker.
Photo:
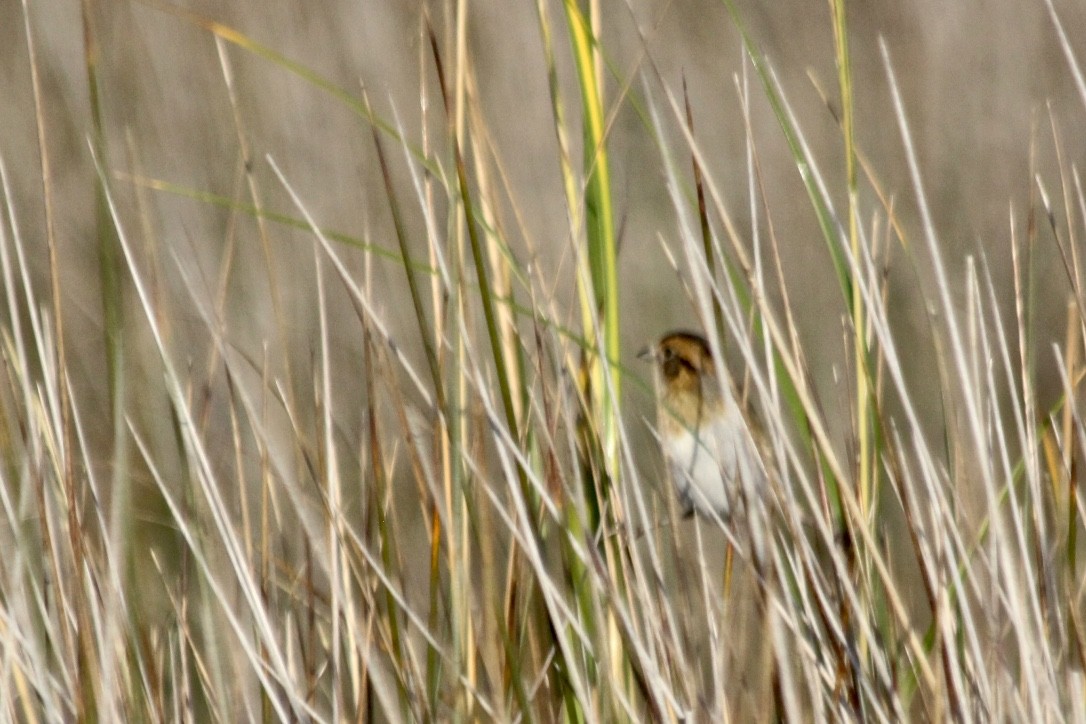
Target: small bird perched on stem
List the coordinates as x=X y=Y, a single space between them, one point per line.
x=716 y=465
x=710 y=452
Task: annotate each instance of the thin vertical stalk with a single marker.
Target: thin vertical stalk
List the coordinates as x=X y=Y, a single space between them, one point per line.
x=600 y=230
x=859 y=327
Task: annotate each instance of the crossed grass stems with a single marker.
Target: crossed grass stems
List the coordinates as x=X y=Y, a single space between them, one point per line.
x=489 y=544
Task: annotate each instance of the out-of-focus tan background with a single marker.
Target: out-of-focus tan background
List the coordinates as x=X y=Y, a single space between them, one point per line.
x=981 y=82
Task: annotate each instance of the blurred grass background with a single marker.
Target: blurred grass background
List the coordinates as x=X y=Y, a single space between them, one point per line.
x=994 y=112
x=978 y=81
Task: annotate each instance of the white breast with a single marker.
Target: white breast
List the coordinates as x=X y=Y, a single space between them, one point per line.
x=709 y=471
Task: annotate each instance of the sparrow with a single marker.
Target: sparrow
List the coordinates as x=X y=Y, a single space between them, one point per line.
x=710 y=452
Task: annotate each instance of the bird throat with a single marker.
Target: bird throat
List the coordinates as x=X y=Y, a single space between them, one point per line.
x=690 y=399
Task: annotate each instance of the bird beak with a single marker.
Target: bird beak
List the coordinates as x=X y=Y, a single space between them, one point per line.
x=646 y=354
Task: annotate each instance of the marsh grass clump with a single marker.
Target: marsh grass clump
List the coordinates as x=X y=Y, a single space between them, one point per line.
x=279 y=470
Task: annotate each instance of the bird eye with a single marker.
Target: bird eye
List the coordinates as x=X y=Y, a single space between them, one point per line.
x=671 y=364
